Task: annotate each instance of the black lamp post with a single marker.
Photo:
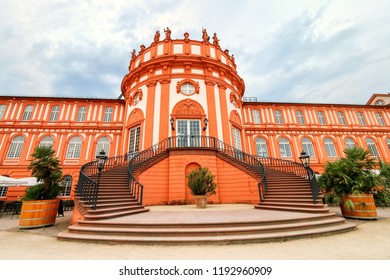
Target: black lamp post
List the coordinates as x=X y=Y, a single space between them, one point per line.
x=101 y=160
x=172 y=120
x=305 y=159
x=206 y=121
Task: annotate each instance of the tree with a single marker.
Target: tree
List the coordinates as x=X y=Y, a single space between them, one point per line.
x=46 y=167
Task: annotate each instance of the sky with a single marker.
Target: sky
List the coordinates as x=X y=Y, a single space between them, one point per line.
x=285 y=50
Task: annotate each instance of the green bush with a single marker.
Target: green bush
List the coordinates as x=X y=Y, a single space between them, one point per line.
x=201 y=181
x=37 y=192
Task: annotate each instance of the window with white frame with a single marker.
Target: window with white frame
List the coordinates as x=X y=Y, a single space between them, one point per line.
x=55 y=110
x=27 y=112
x=134 y=139
x=66 y=184
x=284 y=148
x=15 y=149
x=300 y=118
x=341 y=117
x=361 y=118
x=321 y=117
x=261 y=147
x=81 y=113
x=74 y=147
x=388 y=143
x=237 y=139
x=330 y=147
x=278 y=117
x=349 y=143
x=307 y=147
x=256 y=116
x=103 y=144
x=380 y=119
x=2 y=111
x=46 y=141
x=372 y=147
x=107 y=114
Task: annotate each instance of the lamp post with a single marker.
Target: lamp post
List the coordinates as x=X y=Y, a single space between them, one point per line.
x=305 y=159
x=101 y=160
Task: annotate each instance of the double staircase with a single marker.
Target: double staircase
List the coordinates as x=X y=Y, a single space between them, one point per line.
x=286 y=209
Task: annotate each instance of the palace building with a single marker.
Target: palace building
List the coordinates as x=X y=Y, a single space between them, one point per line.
x=183 y=100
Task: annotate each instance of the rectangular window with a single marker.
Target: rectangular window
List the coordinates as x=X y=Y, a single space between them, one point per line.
x=54 y=113
x=81 y=114
x=256 y=116
x=340 y=115
x=27 y=112
x=380 y=119
x=188 y=133
x=278 y=117
x=237 y=138
x=361 y=118
x=107 y=114
x=300 y=118
x=2 y=111
x=134 y=139
x=321 y=118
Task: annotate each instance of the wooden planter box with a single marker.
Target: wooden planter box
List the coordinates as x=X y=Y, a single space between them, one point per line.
x=364 y=207
x=38 y=213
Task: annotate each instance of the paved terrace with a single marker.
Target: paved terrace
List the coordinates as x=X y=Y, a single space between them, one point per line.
x=371 y=240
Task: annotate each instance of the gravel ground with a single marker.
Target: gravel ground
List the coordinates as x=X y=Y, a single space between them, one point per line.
x=371 y=241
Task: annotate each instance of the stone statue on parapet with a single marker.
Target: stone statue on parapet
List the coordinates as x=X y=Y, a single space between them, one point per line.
x=215 y=40
x=157 y=36
x=205 y=36
x=167 y=33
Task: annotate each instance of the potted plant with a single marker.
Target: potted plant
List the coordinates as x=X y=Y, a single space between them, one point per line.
x=40 y=204
x=202 y=184
x=351 y=182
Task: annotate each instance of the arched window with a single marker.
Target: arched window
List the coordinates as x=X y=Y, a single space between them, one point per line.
x=74 y=148
x=349 y=143
x=330 y=147
x=46 y=141
x=15 y=149
x=278 y=117
x=261 y=147
x=103 y=144
x=307 y=146
x=284 y=148
x=372 y=147
x=256 y=116
x=107 y=114
x=66 y=184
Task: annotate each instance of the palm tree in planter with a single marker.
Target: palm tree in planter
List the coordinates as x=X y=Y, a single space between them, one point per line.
x=350 y=182
x=40 y=204
x=202 y=184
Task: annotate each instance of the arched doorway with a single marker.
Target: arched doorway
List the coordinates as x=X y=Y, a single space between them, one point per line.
x=189 y=199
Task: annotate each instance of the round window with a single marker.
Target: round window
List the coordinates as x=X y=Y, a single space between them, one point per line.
x=187 y=88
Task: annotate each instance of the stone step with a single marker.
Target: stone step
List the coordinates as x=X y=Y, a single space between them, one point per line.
x=292 y=204
x=114 y=208
x=205 y=239
x=114 y=214
x=292 y=208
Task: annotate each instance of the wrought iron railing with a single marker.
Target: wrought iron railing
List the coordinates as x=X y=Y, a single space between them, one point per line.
x=293 y=167
x=88 y=187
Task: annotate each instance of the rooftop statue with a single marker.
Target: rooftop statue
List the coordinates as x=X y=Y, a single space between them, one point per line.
x=167 y=33
x=205 y=36
x=215 y=40
x=157 y=36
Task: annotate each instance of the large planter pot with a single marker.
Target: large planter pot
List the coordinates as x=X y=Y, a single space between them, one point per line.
x=201 y=201
x=38 y=213
x=364 y=207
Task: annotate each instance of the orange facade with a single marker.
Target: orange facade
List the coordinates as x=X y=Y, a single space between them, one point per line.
x=187 y=88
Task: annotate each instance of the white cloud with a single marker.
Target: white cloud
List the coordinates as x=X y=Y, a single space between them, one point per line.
x=318 y=51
